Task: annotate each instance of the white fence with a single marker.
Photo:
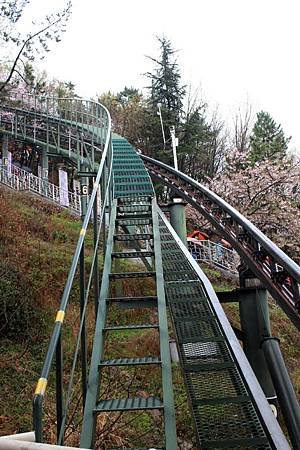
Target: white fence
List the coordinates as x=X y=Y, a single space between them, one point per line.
x=214 y=253
x=20 y=180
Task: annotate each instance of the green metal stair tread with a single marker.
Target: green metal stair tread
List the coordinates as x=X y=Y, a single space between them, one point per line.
x=197 y=317
x=200 y=339
x=196 y=367
x=133 y=237
x=119 y=275
x=129 y=404
x=130 y=327
x=139 y=298
x=134 y=254
x=140 y=215
x=134 y=302
x=131 y=361
x=221 y=400
x=127 y=213
x=134 y=221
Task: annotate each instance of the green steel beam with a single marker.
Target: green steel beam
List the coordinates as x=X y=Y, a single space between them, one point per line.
x=88 y=425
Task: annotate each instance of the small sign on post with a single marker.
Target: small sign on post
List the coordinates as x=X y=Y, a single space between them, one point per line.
x=63 y=188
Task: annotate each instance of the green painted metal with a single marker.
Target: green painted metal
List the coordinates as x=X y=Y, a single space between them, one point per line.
x=225 y=405
x=98 y=360
x=131 y=179
x=88 y=426
x=255 y=324
x=55 y=342
x=284 y=388
x=177 y=218
x=170 y=422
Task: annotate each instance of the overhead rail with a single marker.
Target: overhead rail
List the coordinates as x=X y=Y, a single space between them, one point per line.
x=278 y=273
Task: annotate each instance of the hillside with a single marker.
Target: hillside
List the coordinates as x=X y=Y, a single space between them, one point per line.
x=36 y=244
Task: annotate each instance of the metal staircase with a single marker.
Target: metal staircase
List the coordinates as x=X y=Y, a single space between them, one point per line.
x=137 y=213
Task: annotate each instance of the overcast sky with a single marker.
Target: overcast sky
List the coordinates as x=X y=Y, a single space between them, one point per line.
x=233 y=49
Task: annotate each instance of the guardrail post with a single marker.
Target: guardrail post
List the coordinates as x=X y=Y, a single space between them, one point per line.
x=5 y=150
x=84 y=193
x=255 y=324
x=177 y=218
x=44 y=171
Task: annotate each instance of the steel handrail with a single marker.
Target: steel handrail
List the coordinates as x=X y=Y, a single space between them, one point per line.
x=106 y=162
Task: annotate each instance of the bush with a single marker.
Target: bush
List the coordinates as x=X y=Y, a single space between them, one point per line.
x=19 y=318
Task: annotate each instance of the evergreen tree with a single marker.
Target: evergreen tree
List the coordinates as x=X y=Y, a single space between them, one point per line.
x=267 y=140
x=167 y=92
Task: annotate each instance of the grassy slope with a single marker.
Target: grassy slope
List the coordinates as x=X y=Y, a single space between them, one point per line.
x=36 y=244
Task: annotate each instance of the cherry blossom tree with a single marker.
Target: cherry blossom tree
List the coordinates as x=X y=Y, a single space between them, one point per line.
x=18 y=47
x=267 y=194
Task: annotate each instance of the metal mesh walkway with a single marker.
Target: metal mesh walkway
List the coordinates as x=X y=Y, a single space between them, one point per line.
x=224 y=412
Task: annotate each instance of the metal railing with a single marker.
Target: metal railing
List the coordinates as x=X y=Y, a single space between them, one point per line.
x=215 y=253
x=91 y=149
x=70 y=127
x=21 y=180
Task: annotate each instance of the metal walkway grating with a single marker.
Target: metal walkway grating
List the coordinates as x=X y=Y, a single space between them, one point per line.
x=224 y=414
x=131 y=179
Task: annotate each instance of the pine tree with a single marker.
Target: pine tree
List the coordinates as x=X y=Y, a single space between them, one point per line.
x=267 y=140
x=167 y=92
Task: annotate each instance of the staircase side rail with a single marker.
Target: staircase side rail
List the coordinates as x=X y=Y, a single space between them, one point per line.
x=54 y=351
x=277 y=271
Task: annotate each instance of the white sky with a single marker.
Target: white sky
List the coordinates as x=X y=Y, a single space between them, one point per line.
x=234 y=49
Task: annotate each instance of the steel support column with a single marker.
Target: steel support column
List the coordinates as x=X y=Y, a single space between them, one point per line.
x=177 y=218
x=255 y=323
x=284 y=389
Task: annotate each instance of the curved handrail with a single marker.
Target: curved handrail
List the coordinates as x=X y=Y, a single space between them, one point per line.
x=54 y=347
x=74 y=127
x=272 y=266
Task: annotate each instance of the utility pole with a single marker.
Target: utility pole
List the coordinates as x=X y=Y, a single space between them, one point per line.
x=161 y=122
x=174 y=145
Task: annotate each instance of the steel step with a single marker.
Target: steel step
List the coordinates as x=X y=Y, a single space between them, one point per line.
x=134 y=254
x=130 y=327
x=138 y=215
x=221 y=400
x=133 y=237
x=133 y=221
x=128 y=404
x=134 y=302
x=130 y=361
x=117 y=276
